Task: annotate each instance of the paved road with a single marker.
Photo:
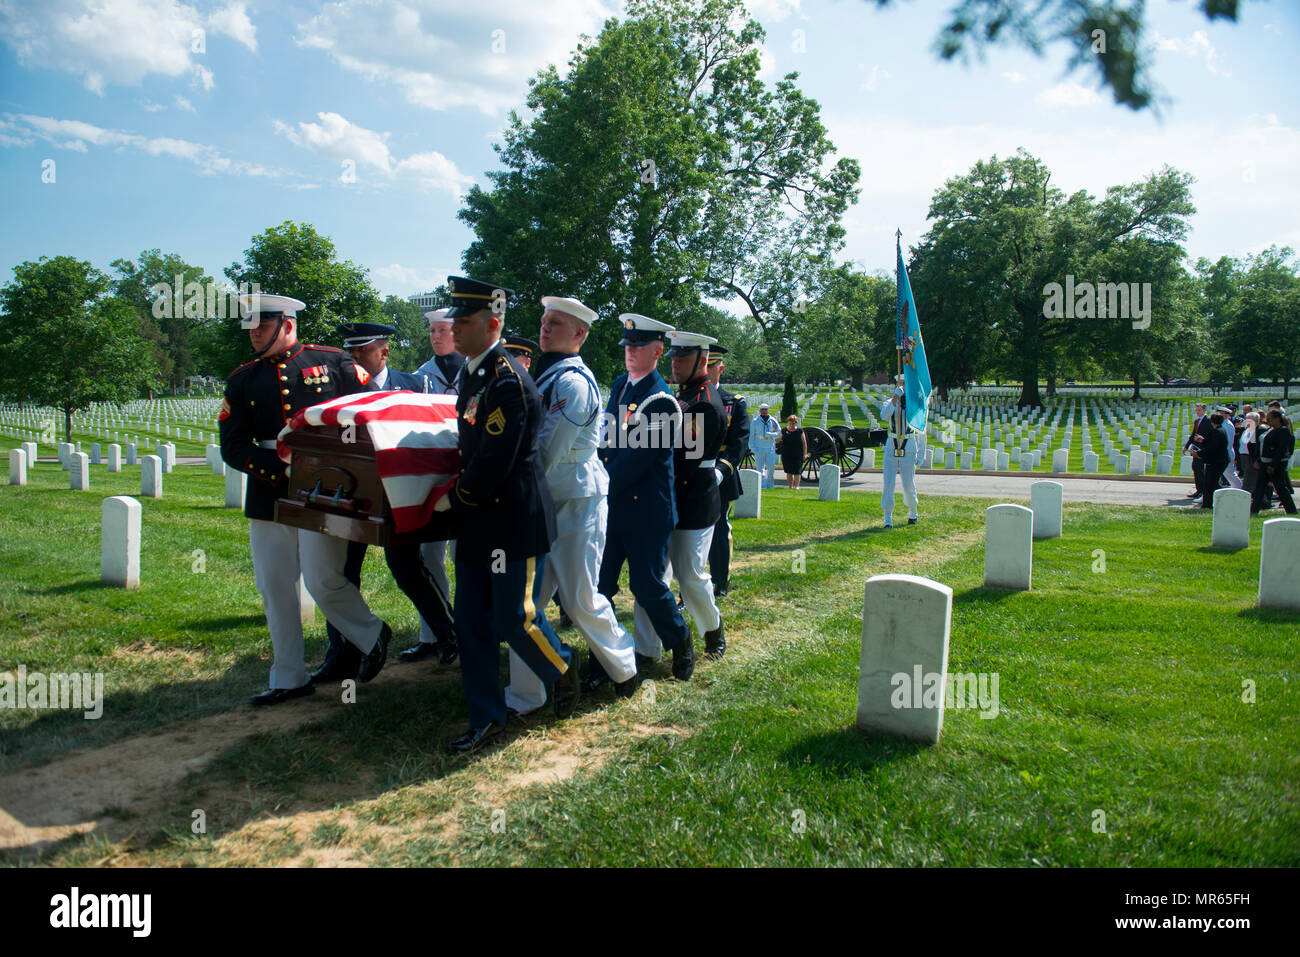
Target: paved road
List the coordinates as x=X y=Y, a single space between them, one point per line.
x=1102 y=489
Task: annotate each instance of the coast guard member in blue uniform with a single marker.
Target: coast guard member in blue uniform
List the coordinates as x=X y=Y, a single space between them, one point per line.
x=367 y=343
x=505 y=519
x=640 y=421
x=261 y=397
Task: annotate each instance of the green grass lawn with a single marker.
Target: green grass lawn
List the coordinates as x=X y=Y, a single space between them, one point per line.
x=1120 y=691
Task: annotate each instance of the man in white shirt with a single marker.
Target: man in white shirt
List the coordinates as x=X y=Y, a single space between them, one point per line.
x=762 y=442
x=894 y=464
x=568 y=440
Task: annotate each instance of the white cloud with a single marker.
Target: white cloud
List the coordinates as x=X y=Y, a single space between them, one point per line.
x=152 y=107
x=1245 y=192
x=772 y=11
x=79 y=136
x=1197 y=45
x=1067 y=95
x=232 y=21
x=1013 y=77
x=408 y=280
x=118 y=42
x=184 y=104
x=444 y=54
x=339 y=138
x=878 y=75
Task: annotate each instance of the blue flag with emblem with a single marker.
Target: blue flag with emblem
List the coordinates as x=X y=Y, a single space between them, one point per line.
x=916 y=373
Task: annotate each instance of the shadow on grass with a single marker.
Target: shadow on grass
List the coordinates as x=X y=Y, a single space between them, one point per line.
x=983 y=593
x=849 y=536
x=1270 y=615
x=73 y=588
x=1222 y=549
x=251 y=620
x=849 y=751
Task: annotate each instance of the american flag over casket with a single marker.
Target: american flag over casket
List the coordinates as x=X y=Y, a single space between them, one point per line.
x=415 y=443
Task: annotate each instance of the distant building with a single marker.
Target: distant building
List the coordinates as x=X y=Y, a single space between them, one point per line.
x=426 y=300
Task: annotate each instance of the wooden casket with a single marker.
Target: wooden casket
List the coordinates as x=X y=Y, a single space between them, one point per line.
x=334 y=488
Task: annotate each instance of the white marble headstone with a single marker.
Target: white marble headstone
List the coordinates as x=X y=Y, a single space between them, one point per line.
x=17 y=467
x=114 y=457
x=1231 y=524
x=119 y=543
x=1061 y=460
x=79 y=472
x=903 y=668
x=1008 y=547
x=828 y=483
x=1279 y=564
x=1045 y=502
x=750 y=503
x=151 y=477
x=236 y=488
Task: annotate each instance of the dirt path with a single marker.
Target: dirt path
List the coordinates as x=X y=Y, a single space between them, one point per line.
x=71 y=795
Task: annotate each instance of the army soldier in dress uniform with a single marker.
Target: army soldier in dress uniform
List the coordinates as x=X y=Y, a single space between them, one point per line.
x=367 y=343
x=570 y=437
x=442 y=373
x=524 y=350
x=261 y=397
x=637 y=453
x=504 y=517
x=735 y=446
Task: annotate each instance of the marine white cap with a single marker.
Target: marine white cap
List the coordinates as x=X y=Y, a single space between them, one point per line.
x=438 y=317
x=256 y=308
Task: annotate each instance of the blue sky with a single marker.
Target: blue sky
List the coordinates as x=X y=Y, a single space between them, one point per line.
x=158 y=144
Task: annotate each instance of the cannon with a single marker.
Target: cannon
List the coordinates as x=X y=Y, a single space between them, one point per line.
x=839 y=445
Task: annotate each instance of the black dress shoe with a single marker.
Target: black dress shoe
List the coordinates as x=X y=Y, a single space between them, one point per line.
x=373 y=663
x=448 y=652
x=911 y=521
x=569 y=688
x=684 y=659
x=279 y=695
x=645 y=661
x=715 y=642
x=564 y=621
x=418 y=652
x=331 y=672
x=596 y=677
x=720 y=592
x=625 y=689
x=474 y=738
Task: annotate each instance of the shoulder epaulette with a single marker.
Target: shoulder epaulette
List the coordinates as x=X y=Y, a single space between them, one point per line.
x=312 y=345
x=250 y=362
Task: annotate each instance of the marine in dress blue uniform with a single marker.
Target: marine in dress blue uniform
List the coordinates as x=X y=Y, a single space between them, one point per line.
x=640 y=421
x=261 y=397
x=504 y=517
x=367 y=342
x=735 y=447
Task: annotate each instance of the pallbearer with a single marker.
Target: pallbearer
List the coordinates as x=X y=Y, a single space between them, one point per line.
x=695 y=483
x=261 y=397
x=893 y=409
x=570 y=437
x=524 y=350
x=504 y=519
x=735 y=446
x=638 y=454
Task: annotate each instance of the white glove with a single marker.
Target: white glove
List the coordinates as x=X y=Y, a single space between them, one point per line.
x=717 y=473
x=898 y=390
x=443 y=504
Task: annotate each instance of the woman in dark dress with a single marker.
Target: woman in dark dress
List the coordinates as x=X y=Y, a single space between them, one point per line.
x=793 y=445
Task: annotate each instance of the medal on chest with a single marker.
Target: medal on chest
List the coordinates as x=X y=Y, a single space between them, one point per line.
x=315 y=375
x=471 y=410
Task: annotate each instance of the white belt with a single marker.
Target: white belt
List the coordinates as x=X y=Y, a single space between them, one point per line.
x=268 y=444
x=577 y=457
x=708 y=463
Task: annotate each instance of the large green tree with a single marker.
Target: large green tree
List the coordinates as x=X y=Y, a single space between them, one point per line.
x=659 y=170
x=1261 y=332
x=174 y=333
x=848 y=330
x=292 y=259
x=1003 y=236
x=69 y=342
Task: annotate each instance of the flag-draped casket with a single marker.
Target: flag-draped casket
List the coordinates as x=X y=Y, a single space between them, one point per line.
x=371 y=467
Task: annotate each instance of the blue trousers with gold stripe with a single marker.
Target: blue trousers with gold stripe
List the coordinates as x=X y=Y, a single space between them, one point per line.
x=492 y=607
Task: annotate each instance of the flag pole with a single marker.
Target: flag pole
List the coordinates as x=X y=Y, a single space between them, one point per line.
x=898 y=340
